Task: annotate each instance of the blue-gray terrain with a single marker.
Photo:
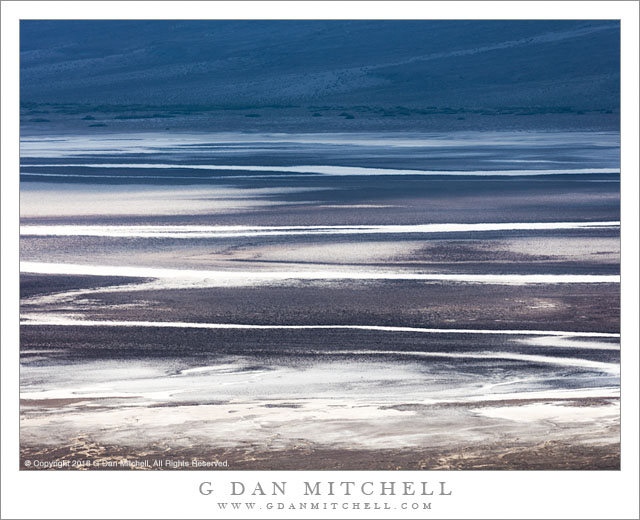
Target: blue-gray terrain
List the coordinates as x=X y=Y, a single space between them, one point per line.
x=312 y=245
x=322 y=75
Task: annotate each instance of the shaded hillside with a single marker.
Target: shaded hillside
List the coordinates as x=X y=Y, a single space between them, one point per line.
x=425 y=65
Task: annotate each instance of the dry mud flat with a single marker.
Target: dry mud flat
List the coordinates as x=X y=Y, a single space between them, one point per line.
x=320 y=301
x=546 y=456
x=111 y=390
x=569 y=307
x=571 y=451
x=489 y=376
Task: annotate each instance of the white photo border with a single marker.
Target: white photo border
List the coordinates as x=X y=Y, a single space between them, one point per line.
x=476 y=494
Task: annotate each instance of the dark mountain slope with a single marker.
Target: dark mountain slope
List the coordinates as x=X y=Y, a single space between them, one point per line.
x=473 y=64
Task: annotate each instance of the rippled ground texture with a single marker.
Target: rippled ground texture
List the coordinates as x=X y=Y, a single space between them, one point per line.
x=322 y=301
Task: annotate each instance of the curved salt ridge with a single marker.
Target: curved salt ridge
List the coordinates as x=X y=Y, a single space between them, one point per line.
x=570 y=362
x=195 y=325
x=565 y=342
x=252 y=231
x=182 y=177
x=244 y=277
x=335 y=170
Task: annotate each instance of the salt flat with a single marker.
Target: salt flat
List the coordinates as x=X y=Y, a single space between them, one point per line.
x=352 y=298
